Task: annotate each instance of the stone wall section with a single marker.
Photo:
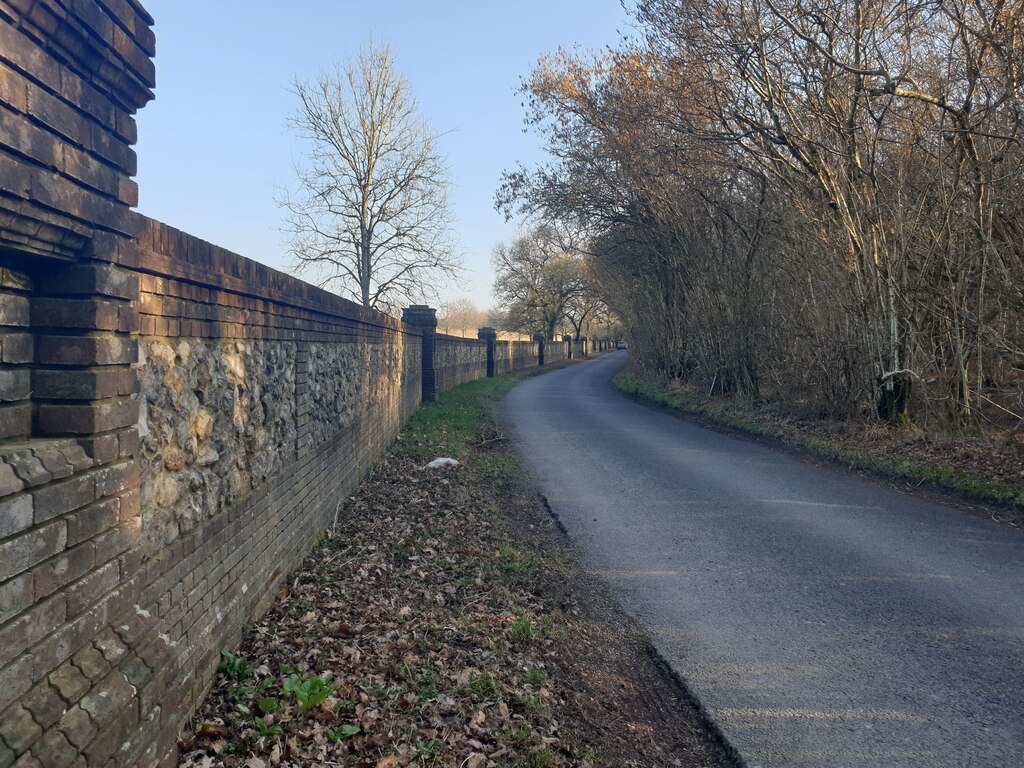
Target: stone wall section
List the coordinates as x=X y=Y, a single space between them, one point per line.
x=198 y=418
x=257 y=419
x=556 y=352
x=458 y=360
x=517 y=355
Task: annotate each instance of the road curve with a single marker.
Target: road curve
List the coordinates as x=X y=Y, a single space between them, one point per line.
x=823 y=619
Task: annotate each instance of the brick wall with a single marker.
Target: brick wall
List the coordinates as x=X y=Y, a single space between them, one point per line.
x=176 y=422
x=72 y=75
x=17 y=351
x=218 y=412
x=458 y=360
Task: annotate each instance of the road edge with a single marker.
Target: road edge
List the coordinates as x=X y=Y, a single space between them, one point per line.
x=1006 y=508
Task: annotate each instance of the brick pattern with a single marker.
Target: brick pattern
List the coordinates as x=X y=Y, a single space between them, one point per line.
x=458 y=360
x=69 y=504
x=200 y=269
x=16 y=355
x=69 y=521
x=72 y=75
x=117 y=594
x=303 y=382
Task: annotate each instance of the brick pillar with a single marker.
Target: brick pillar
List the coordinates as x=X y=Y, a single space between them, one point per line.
x=424 y=319
x=583 y=346
x=489 y=335
x=568 y=341
x=539 y=338
x=16 y=355
x=83 y=383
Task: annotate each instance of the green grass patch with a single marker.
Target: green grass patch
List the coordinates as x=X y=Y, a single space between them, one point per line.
x=521 y=631
x=453 y=426
x=510 y=560
x=651 y=391
x=482 y=687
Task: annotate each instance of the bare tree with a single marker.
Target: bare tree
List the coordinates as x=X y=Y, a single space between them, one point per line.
x=537 y=276
x=461 y=317
x=370 y=216
x=814 y=203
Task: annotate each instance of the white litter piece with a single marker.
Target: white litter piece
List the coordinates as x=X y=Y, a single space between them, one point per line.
x=442 y=462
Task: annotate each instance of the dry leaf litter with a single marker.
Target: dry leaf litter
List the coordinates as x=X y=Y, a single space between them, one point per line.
x=433 y=628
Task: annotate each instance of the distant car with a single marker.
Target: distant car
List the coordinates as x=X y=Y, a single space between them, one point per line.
x=621 y=345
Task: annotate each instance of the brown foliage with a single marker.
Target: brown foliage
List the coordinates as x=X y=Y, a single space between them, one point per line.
x=816 y=202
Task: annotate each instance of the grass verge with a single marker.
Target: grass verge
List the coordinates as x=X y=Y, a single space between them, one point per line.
x=945 y=477
x=446 y=622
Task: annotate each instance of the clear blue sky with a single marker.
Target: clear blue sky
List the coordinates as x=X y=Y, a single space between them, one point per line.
x=213 y=145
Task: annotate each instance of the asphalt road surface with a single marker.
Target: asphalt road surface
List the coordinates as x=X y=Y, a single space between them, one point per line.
x=822 y=618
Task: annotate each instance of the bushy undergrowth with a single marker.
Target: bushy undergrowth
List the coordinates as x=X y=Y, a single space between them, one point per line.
x=727 y=414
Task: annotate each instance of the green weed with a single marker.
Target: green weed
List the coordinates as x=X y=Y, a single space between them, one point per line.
x=520 y=631
x=308 y=691
x=267 y=706
x=534 y=676
x=343 y=732
x=521 y=736
x=235 y=667
x=483 y=686
x=427 y=753
x=511 y=561
x=265 y=730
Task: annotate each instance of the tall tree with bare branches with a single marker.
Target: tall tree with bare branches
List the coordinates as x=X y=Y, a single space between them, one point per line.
x=816 y=203
x=370 y=216
x=538 y=276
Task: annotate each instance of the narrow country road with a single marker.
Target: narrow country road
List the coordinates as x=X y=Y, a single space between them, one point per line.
x=823 y=619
